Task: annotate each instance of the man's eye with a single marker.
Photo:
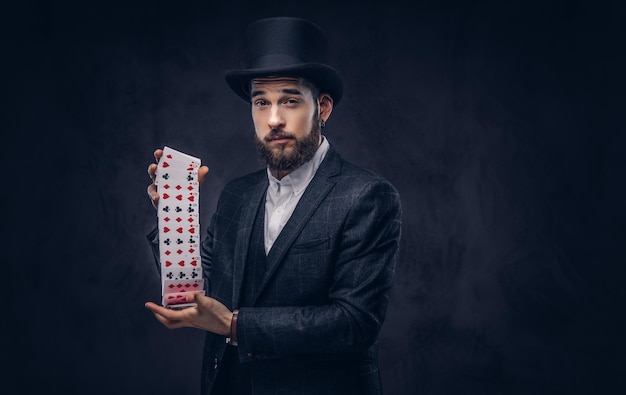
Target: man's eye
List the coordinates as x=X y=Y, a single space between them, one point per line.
x=260 y=103
x=291 y=101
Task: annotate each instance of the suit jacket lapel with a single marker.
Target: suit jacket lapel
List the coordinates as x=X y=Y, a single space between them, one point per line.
x=313 y=196
x=251 y=203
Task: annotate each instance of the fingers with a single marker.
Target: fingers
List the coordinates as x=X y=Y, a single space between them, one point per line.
x=153 y=195
x=156 y=309
x=157 y=154
x=152 y=168
x=202 y=172
x=152 y=189
x=167 y=323
x=194 y=297
x=172 y=319
x=208 y=314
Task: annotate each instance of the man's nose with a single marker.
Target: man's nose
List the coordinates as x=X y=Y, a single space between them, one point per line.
x=275 y=119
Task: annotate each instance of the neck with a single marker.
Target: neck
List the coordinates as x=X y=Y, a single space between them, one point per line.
x=279 y=174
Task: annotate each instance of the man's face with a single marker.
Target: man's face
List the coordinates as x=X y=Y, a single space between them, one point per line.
x=286 y=121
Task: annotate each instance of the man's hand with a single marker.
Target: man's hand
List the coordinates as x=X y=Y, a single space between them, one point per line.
x=152 y=168
x=208 y=314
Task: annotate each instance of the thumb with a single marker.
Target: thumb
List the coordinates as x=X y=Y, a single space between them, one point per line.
x=194 y=297
x=202 y=172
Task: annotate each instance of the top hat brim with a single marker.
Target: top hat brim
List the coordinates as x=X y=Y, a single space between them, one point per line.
x=326 y=78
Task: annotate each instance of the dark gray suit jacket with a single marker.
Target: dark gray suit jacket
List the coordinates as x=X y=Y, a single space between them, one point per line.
x=313 y=325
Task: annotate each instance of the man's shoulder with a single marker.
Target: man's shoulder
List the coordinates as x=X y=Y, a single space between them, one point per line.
x=347 y=169
x=352 y=175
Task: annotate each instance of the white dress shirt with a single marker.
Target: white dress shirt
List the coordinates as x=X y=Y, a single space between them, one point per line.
x=283 y=195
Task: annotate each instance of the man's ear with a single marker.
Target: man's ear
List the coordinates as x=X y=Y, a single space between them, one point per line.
x=326 y=106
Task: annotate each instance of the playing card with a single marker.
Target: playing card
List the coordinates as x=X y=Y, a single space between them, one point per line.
x=183 y=273
x=173 y=187
x=166 y=175
x=172 y=154
x=175 y=208
x=176 y=300
x=177 y=286
x=180 y=255
x=179 y=228
x=173 y=161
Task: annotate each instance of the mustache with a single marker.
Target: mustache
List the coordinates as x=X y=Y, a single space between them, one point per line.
x=277 y=134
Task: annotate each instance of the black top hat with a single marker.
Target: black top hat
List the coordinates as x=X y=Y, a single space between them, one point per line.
x=286 y=46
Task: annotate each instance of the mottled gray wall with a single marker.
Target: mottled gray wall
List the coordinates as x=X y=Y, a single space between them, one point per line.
x=500 y=123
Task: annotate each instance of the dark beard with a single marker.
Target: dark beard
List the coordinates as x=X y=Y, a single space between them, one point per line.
x=304 y=150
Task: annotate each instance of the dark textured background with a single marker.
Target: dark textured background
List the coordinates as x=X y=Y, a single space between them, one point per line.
x=500 y=123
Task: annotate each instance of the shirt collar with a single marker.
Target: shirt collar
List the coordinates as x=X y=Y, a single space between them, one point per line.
x=299 y=178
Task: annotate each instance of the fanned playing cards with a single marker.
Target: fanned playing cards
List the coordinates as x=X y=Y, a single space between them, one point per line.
x=179 y=228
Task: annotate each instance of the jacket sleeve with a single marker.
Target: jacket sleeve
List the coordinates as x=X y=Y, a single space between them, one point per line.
x=363 y=262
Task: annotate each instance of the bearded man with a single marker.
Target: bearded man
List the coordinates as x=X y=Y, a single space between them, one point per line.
x=299 y=256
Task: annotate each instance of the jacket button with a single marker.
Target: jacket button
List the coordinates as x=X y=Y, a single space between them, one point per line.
x=215 y=363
